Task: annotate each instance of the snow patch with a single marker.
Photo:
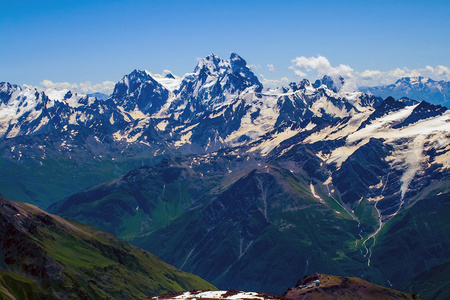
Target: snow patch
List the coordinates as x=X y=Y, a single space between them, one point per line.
x=215 y=295
x=268 y=145
x=162 y=125
x=313 y=192
x=377 y=186
x=184 y=139
x=171 y=84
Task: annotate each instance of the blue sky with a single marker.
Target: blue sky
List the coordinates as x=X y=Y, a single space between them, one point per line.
x=101 y=41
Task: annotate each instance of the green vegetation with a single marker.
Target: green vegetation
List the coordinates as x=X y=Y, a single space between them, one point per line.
x=233 y=243
x=433 y=283
x=417 y=243
x=13 y=286
x=141 y=201
x=258 y=230
x=367 y=214
x=58 y=258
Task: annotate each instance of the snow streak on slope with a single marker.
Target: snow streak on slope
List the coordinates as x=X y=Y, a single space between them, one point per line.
x=409 y=142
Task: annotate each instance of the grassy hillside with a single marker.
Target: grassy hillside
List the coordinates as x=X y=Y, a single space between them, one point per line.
x=45 y=256
x=412 y=249
x=433 y=283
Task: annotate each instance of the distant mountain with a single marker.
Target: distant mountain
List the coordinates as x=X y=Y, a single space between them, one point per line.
x=329 y=83
x=417 y=88
x=25 y=111
x=45 y=256
x=99 y=96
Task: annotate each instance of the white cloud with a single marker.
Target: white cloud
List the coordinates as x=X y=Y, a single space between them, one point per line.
x=273 y=83
x=27 y=86
x=163 y=75
x=375 y=77
x=302 y=66
x=322 y=66
x=254 y=67
x=86 y=87
x=271 y=68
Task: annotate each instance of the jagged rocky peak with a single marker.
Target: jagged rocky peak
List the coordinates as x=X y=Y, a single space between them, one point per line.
x=138 y=90
x=294 y=86
x=423 y=111
x=129 y=83
x=208 y=64
x=169 y=75
x=232 y=74
x=387 y=106
x=215 y=81
x=330 y=83
x=6 y=87
x=6 y=90
x=16 y=97
x=68 y=95
x=239 y=66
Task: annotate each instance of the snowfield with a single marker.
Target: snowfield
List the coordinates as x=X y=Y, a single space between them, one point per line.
x=191 y=295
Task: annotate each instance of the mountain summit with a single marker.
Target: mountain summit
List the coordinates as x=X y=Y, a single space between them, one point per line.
x=232 y=74
x=213 y=82
x=139 y=91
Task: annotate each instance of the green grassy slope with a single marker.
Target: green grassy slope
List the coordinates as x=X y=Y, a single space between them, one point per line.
x=46 y=255
x=143 y=200
x=433 y=283
x=417 y=244
x=254 y=235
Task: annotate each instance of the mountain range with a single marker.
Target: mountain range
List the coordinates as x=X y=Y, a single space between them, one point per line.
x=418 y=88
x=249 y=187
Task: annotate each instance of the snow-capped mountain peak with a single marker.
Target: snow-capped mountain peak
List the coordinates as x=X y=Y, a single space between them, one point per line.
x=332 y=84
x=129 y=83
x=233 y=74
x=140 y=91
x=414 y=81
x=213 y=83
x=208 y=64
x=65 y=95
